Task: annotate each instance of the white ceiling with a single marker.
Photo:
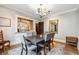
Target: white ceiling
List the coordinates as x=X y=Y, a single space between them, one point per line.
x=28 y=8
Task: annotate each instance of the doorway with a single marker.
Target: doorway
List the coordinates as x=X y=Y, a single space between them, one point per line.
x=40 y=28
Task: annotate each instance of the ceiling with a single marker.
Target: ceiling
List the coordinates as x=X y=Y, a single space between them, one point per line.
x=29 y=8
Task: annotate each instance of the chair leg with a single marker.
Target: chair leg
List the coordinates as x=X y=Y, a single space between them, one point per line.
x=37 y=49
x=9 y=44
x=44 y=50
x=52 y=43
x=3 y=49
x=49 y=47
x=22 y=49
x=26 y=51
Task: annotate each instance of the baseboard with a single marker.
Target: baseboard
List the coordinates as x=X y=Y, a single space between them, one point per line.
x=60 y=41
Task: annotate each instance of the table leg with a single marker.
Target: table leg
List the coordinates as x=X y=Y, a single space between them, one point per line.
x=49 y=45
x=37 y=49
x=44 y=50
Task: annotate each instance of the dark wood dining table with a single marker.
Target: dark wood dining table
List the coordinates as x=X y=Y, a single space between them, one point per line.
x=35 y=40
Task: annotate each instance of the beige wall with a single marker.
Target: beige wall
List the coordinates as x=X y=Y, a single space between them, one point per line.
x=77 y=22
x=66 y=26
x=9 y=32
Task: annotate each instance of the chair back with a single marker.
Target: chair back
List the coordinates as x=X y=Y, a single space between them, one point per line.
x=26 y=41
x=1 y=36
x=53 y=34
x=48 y=37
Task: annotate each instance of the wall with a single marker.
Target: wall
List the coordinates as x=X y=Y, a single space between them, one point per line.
x=77 y=25
x=9 y=32
x=67 y=25
x=78 y=21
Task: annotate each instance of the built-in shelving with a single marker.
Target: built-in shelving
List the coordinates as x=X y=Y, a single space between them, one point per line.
x=24 y=24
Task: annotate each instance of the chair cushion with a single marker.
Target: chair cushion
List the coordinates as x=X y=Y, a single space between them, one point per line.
x=6 y=41
x=31 y=47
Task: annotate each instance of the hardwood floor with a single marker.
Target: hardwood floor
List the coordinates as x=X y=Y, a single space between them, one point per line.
x=7 y=49
x=55 y=45
x=67 y=48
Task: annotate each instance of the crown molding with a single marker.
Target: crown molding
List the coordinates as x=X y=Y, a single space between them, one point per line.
x=67 y=11
x=27 y=14
x=60 y=13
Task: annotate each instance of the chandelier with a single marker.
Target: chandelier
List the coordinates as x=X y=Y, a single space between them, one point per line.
x=42 y=11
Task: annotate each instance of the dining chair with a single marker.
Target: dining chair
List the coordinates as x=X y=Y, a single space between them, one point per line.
x=3 y=43
x=46 y=42
x=53 y=34
x=27 y=45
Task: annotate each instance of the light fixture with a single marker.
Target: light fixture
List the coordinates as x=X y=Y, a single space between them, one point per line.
x=42 y=10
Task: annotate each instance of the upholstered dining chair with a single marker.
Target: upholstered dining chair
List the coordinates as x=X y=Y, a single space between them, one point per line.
x=46 y=42
x=53 y=34
x=27 y=45
x=3 y=42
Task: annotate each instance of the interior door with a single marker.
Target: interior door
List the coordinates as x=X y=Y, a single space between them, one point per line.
x=40 y=28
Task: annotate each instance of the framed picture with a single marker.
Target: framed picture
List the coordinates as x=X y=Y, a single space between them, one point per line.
x=53 y=26
x=5 y=22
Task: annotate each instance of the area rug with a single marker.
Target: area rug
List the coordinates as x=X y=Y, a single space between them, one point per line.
x=54 y=51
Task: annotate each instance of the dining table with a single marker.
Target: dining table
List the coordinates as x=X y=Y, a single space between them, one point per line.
x=35 y=40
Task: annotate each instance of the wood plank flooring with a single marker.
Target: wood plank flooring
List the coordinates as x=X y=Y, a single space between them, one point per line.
x=55 y=45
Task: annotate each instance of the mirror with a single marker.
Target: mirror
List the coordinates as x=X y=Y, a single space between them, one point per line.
x=53 y=26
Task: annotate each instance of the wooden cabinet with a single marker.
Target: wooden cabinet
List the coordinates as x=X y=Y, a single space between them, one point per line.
x=72 y=41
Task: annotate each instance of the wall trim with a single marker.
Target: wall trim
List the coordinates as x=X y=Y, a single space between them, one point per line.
x=26 y=14
x=62 y=42
x=67 y=11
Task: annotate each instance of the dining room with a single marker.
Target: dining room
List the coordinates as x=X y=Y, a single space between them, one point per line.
x=39 y=29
